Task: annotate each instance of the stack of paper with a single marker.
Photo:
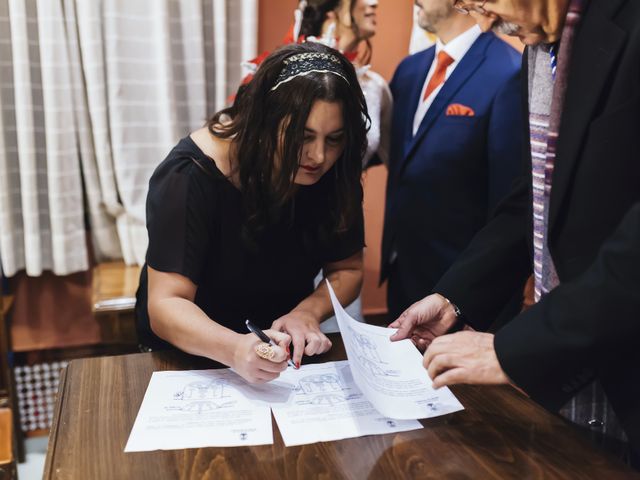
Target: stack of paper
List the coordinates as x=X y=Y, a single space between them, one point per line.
x=382 y=388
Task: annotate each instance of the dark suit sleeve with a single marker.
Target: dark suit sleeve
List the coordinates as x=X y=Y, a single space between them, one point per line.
x=495 y=266
x=556 y=346
x=505 y=139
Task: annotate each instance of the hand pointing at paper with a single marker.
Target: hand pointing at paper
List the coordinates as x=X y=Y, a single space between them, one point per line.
x=425 y=320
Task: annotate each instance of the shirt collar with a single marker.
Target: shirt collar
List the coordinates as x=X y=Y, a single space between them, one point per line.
x=459 y=46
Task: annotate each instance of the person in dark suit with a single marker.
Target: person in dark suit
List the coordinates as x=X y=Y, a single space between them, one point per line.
x=573 y=220
x=455 y=144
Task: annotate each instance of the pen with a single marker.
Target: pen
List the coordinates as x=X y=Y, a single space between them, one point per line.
x=264 y=337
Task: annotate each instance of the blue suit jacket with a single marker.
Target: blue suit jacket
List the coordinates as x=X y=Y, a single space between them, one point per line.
x=444 y=181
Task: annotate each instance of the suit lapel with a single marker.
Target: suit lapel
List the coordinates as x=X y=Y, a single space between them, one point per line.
x=422 y=69
x=595 y=52
x=467 y=66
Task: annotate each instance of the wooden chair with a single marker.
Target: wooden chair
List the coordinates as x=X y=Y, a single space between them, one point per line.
x=9 y=418
x=114 y=300
x=7 y=459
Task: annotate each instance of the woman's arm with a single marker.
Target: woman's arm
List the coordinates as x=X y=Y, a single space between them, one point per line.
x=303 y=322
x=175 y=318
x=346 y=279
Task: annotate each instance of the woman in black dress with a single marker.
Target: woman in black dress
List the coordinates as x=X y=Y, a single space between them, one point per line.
x=243 y=213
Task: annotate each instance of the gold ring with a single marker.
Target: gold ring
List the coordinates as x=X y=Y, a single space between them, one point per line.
x=266 y=351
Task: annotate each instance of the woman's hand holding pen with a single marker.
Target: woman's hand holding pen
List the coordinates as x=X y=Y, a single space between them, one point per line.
x=306 y=336
x=252 y=367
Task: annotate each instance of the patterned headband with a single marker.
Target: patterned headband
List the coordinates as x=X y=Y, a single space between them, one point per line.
x=305 y=63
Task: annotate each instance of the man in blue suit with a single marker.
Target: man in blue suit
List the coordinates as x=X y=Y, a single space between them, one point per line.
x=455 y=143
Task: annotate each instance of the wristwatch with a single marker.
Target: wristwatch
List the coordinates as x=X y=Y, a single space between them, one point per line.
x=459 y=323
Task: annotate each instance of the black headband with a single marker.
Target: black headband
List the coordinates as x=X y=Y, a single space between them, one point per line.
x=305 y=63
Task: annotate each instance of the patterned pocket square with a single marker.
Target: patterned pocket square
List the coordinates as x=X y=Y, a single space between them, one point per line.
x=459 y=110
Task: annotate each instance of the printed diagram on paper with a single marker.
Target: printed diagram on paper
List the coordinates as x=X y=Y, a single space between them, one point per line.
x=326 y=389
x=328 y=405
x=199 y=408
x=368 y=357
x=390 y=374
x=382 y=388
x=203 y=396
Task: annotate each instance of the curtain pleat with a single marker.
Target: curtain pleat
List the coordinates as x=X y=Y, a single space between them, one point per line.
x=11 y=225
x=63 y=173
x=31 y=155
x=93 y=95
x=97 y=173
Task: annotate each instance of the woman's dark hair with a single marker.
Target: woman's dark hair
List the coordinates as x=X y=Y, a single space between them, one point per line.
x=315 y=14
x=254 y=123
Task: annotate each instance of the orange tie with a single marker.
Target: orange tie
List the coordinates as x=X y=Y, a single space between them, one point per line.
x=437 y=79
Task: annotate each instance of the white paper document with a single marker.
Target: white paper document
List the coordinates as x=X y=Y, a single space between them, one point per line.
x=390 y=374
x=202 y=408
x=327 y=405
x=381 y=388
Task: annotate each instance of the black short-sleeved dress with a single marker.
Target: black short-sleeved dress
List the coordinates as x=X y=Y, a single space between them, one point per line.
x=195 y=219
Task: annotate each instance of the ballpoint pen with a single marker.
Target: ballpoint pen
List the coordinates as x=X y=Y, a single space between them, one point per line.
x=264 y=337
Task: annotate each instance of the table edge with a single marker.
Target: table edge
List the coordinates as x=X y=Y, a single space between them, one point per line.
x=53 y=433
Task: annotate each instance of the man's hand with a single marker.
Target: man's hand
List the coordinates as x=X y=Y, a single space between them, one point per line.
x=424 y=321
x=464 y=357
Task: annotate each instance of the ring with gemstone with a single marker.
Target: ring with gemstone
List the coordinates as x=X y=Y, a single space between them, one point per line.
x=266 y=351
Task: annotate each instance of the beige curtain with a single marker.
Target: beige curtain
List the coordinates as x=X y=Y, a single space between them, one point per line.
x=93 y=94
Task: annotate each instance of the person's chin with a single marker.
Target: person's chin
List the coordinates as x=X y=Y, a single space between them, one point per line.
x=306 y=180
x=528 y=37
x=426 y=26
x=369 y=31
x=507 y=28
x=532 y=39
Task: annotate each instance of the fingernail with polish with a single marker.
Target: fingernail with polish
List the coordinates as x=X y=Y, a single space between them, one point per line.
x=297 y=365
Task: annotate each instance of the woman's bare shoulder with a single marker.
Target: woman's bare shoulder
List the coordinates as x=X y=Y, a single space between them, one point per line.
x=217 y=149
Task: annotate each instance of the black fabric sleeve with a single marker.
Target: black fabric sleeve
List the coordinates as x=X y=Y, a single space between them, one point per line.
x=180 y=207
x=495 y=266
x=555 y=347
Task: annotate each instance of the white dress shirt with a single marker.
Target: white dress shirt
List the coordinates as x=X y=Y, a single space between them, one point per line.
x=456 y=49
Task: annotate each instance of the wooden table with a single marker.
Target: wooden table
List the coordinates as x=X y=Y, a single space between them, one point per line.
x=501 y=434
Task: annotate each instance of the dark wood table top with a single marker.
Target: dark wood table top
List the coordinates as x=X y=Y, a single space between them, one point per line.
x=501 y=434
